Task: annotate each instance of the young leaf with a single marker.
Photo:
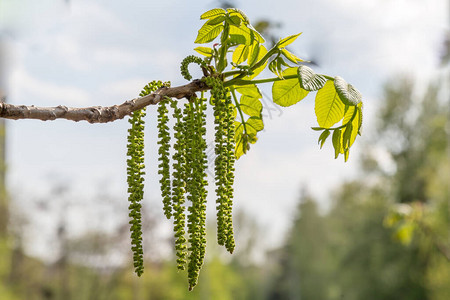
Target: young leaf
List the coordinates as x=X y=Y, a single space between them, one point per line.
x=234 y=20
x=348 y=94
x=262 y=51
x=216 y=20
x=213 y=13
x=329 y=108
x=256 y=34
x=254 y=53
x=240 y=54
x=249 y=90
x=356 y=123
x=287 y=40
x=309 y=80
x=323 y=137
x=254 y=124
x=208 y=33
x=336 y=142
x=206 y=51
x=273 y=68
x=291 y=56
x=251 y=106
x=241 y=35
x=239 y=13
x=288 y=92
x=346 y=137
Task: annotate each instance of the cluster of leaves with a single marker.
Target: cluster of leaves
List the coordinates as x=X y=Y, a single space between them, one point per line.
x=236 y=100
x=336 y=100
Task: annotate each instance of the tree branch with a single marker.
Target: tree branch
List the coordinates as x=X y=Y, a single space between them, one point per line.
x=99 y=114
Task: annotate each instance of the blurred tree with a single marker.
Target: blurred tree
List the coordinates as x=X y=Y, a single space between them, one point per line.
x=304 y=259
x=348 y=253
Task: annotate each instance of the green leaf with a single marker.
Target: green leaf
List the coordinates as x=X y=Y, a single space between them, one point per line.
x=241 y=35
x=256 y=34
x=240 y=54
x=234 y=20
x=356 y=123
x=329 y=108
x=213 y=13
x=336 y=142
x=262 y=51
x=239 y=13
x=287 y=40
x=254 y=124
x=216 y=20
x=288 y=92
x=254 y=54
x=348 y=94
x=208 y=33
x=323 y=137
x=309 y=80
x=206 y=51
x=250 y=90
x=251 y=106
x=345 y=143
x=291 y=56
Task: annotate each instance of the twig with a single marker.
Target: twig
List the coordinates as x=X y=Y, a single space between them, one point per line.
x=99 y=114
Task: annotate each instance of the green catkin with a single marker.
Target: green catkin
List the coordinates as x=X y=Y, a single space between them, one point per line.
x=163 y=151
x=224 y=162
x=231 y=158
x=185 y=64
x=135 y=179
x=178 y=186
x=196 y=159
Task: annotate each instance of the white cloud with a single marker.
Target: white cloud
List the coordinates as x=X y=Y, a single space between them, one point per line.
x=31 y=90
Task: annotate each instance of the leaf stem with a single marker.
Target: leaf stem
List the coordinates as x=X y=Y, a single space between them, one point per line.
x=238 y=107
x=232 y=73
x=238 y=81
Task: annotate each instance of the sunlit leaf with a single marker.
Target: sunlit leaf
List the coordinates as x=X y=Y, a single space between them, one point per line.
x=239 y=13
x=250 y=90
x=329 y=108
x=251 y=106
x=348 y=94
x=288 y=91
x=213 y=13
x=254 y=124
x=208 y=33
x=241 y=35
x=253 y=54
x=206 y=51
x=291 y=56
x=262 y=51
x=309 y=80
x=336 y=142
x=323 y=137
x=216 y=20
x=256 y=34
x=356 y=123
x=234 y=20
x=240 y=54
x=287 y=40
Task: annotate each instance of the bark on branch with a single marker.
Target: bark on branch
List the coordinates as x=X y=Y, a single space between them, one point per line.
x=99 y=114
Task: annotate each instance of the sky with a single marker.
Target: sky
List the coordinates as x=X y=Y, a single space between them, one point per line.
x=102 y=52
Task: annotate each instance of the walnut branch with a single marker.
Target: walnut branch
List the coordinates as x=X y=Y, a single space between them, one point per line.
x=99 y=114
